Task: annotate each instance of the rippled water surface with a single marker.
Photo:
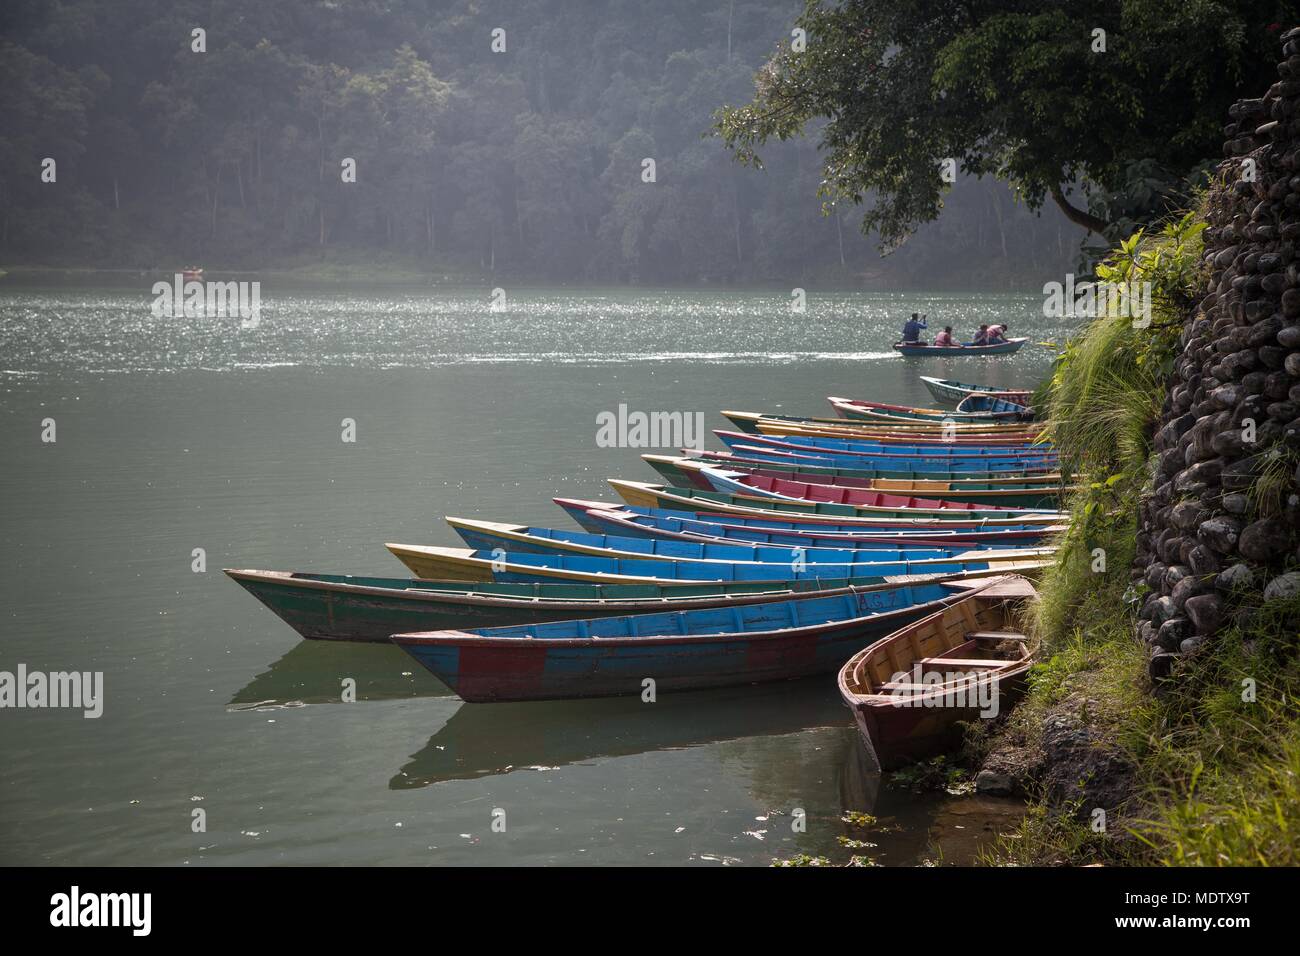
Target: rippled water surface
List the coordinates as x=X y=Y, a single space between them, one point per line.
x=176 y=434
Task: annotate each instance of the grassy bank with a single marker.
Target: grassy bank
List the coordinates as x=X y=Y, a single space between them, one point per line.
x=1207 y=771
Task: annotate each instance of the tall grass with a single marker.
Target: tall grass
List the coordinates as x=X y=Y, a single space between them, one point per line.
x=1108 y=384
x=1103 y=400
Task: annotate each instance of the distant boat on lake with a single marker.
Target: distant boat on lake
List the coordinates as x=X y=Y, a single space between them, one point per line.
x=999 y=348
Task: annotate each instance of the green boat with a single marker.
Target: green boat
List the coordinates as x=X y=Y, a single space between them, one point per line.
x=341 y=607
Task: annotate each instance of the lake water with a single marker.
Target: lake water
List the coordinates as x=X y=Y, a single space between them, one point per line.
x=176 y=434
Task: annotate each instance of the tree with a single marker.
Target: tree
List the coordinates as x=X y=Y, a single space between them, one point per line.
x=1042 y=96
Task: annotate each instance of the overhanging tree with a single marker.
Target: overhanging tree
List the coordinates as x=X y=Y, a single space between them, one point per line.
x=1045 y=96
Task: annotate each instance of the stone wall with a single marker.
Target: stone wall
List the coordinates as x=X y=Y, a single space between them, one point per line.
x=1232 y=413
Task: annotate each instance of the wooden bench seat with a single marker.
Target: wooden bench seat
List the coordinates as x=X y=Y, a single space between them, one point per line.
x=961 y=662
x=995 y=636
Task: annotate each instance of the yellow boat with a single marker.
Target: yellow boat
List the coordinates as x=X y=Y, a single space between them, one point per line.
x=748 y=421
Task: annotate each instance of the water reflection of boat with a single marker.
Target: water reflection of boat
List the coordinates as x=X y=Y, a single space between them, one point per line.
x=487 y=739
x=313 y=672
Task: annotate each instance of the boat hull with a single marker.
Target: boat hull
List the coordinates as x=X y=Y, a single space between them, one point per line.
x=671 y=524
x=347 y=608
x=466 y=564
x=994 y=496
x=751 y=422
x=486 y=669
x=949 y=459
x=1004 y=414
x=812 y=464
x=952 y=392
x=489 y=536
x=909 y=692
x=1001 y=348
x=897 y=736
x=640 y=494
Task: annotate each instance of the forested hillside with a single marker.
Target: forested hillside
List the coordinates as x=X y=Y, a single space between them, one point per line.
x=521 y=164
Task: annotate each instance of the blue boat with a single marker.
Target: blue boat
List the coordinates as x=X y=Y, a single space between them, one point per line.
x=949 y=458
x=629 y=523
x=936 y=447
x=343 y=607
x=967 y=349
x=579 y=510
x=509 y=567
x=794 y=459
x=685 y=650
x=489 y=535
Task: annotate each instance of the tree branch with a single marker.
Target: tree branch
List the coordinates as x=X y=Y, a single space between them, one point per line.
x=1076 y=215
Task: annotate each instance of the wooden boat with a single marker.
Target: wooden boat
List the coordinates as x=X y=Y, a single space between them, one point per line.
x=341 y=607
x=826 y=461
x=490 y=535
x=993 y=404
x=967 y=349
x=743 y=458
x=931 y=448
x=861 y=410
x=626 y=523
x=908 y=691
x=914 y=457
x=944 y=458
x=687 y=650
x=952 y=392
x=751 y=422
x=746 y=483
x=1007 y=432
x=688 y=473
x=521 y=567
x=861 y=425
x=646 y=495
x=770 y=520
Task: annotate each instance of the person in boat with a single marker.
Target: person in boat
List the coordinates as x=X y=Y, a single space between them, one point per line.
x=982 y=336
x=997 y=333
x=913 y=328
x=945 y=338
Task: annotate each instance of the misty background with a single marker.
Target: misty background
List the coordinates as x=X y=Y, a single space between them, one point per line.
x=522 y=165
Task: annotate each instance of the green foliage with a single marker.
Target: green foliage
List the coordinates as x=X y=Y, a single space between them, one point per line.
x=1217 y=752
x=1016 y=90
x=1108 y=384
x=935 y=774
x=803 y=859
x=1273 y=479
x=1103 y=399
x=1222 y=750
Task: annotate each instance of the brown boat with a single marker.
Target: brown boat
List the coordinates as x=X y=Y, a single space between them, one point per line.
x=963 y=663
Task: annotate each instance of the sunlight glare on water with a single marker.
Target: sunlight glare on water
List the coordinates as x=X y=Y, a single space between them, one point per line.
x=176 y=434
